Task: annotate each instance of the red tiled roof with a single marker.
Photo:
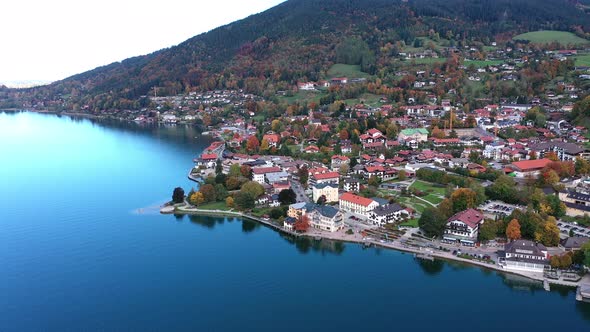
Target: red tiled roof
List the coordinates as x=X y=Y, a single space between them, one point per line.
x=531 y=165
x=470 y=217
x=264 y=170
x=352 y=198
x=208 y=156
x=324 y=176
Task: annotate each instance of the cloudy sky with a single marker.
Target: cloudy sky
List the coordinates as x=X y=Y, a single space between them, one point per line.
x=50 y=40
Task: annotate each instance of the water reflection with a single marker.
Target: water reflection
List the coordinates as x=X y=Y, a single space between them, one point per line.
x=249 y=226
x=305 y=244
x=519 y=283
x=429 y=267
x=206 y=221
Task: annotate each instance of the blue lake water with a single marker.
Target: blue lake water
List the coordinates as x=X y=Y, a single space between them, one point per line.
x=82 y=247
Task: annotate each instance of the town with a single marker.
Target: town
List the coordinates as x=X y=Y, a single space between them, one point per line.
x=434 y=175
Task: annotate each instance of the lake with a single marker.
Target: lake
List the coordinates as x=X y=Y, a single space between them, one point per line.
x=83 y=247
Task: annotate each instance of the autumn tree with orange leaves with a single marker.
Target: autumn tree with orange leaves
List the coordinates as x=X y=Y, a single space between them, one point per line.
x=513 y=230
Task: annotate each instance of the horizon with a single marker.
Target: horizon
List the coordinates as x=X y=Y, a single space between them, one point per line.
x=66 y=43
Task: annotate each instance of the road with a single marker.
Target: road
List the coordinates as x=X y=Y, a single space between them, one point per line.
x=299 y=191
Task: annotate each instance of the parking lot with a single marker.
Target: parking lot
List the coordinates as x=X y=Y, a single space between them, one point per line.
x=566 y=227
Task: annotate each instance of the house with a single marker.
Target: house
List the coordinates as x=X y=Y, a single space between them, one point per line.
x=338 y=161
x=524 y=255
x=326 y=218
x=574 y=243
x=577 y=202
x=259 y=173
x=356 y=204
x=272 y=139
x=463 y=227
x=527 y=168
x=387 y=214
x=563 y=150
x=289 y=223
x=299 y=209
x=328 y=190
x=329 y=177
x=413 y=136
x=351 y=185
x=311 y=149
x=207 y=160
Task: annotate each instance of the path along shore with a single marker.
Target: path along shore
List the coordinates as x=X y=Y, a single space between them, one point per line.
x=359 y=239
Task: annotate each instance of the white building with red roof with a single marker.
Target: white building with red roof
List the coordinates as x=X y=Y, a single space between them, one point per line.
x=322 y=178
x=464 y=227
x=357 y=204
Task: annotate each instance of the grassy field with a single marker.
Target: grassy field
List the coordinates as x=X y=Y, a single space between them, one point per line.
x=425 y=61
x=435 y=194
x=410 y=223
x=350 y=71
x=414 y=203
x=303 y=95
x=483 y=63
x=214 y=206
x=367 y=99
x=549 y=36
x=582 y=60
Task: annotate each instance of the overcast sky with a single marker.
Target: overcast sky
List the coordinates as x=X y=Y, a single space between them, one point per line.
x=52 y=39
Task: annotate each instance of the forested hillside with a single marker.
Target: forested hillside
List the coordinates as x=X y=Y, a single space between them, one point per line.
x=300 y=40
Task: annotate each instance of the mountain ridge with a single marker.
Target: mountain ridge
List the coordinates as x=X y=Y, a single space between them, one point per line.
x=297 y=40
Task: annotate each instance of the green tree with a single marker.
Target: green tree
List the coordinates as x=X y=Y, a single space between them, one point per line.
x=586 y=250
x=402 y=175
x=232 y=183
x=244 y=200
x=287 y=196
x=488 y=230
x=220 y=192
x=463 y=199
x=253 y=188
x=234 y=170
x=303 y=174
x=218 y=167
x=431 y=222
x=178 y=195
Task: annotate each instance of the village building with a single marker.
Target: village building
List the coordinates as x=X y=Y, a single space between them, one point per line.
x=326 y=218
x=321 y=178
x=387 y=214
x=413 y=136
x=328 y=190
x=525 y=255
x=528 y=168
x=352 y=185
x=463 y=227
x=356 y=204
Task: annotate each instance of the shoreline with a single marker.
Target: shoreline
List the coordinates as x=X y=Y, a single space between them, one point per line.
x=336 y=236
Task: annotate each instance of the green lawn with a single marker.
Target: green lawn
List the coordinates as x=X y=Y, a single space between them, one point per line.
x=428 y=187
x=582 y=60
x=549 y=36
x=425 y=61
x=410 y=223
x=483 y=63
x=367 y=99
x=414 y=203
x=214 y=206
x=303 y=95
x=435 y=194
x=349 y=71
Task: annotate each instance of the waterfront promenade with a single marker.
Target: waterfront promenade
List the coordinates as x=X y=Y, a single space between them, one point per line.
x=402 y=244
